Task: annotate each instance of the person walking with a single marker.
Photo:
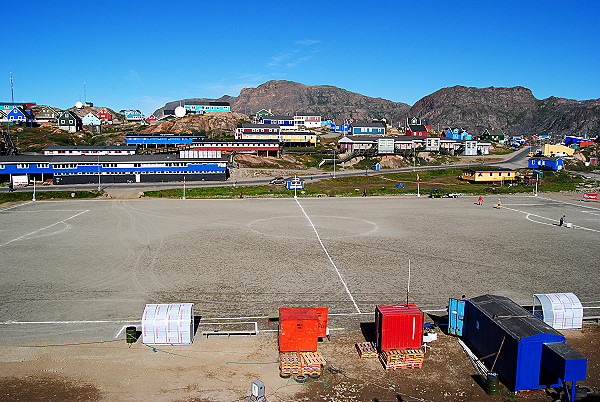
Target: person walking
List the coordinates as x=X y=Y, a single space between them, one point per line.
x=499 y=204
x=364 y=192
x=561 y=221
x=480 y=200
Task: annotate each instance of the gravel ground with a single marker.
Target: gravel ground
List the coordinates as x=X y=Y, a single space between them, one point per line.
x=104 y=260
x=77 y=271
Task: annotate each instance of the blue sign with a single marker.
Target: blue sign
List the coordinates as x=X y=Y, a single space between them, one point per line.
x=295 y=185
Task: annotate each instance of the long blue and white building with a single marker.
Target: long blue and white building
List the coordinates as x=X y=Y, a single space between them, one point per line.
x=87 y=169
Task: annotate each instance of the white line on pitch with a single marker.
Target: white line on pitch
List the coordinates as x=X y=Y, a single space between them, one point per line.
x=68 y=322
x=328 y=256
x=44 y=228
x=570 y=203
x=16 y=206
x=528 y=214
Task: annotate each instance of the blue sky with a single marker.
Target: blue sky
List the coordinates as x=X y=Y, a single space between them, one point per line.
x=143 y=54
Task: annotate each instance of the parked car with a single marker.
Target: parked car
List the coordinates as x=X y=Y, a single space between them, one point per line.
x=452 y=195
x=277 y=180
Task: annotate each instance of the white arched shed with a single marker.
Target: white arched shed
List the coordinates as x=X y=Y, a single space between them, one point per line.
x=559 y=310
x=168 y=323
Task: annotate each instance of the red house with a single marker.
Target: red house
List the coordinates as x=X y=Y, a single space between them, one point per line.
x=151 y=119
x=104 y=115
x=415 y=128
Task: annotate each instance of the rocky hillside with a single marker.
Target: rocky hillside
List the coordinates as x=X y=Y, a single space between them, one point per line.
x=514 y=110
x=287 y=97
x=217 y=123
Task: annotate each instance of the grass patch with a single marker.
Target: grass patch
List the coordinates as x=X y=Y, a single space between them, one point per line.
x=446 y=180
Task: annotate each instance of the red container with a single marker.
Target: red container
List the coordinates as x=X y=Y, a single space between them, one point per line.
x=398 y=326
x=298 y=329
x=322 y=316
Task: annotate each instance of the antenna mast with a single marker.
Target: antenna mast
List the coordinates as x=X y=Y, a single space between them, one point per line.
x=12 y=90
x=84 y=94
x=408 y=285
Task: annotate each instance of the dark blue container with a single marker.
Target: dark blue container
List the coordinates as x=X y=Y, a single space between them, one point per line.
x=497 y=327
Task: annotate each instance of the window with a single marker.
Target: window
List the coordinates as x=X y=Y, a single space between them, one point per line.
x=42 y=165
x=23 y=166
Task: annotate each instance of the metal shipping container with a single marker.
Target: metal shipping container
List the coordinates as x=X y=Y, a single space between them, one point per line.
x=322 y=316
x=398 y=326
x=298 y=329
x=500 y=330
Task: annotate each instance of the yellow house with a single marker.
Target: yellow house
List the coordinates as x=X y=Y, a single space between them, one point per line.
x=558 y=150
x=286 y=137
x=299 y=137
x=483 y=175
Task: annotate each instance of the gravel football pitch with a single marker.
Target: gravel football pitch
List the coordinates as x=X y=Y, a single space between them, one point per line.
x=77 y=270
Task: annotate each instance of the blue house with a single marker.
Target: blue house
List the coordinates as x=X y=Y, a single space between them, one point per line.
x=90 y=119
x=285 y=122
x=132 y=115
x=339 y=128
x=376 y=128
x=17 y=115
x=457 y=134
x=546 y=163
x=201 y=107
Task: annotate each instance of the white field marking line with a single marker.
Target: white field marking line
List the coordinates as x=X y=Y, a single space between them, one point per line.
x=328 y=256
x=44 y=228
x=10 y=322
x=52 y=210
x=591 y=213
x=550 y=224
x=16 y=206
x=570 y=203
x=276 y=330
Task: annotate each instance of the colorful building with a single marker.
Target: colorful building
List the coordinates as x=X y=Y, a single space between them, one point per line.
x=201 y=107
x=485 y=175
x=105 y=116
x=415 y=128
x=47 y=115
x=546 y=163
x=492 y=134
x=557 y=150
x=69 y=121
x=458 y=134
x=307 y=120
x=377 y=128
x=91 y=119
x=133 y=115
x=151 y=119
x=284 y=122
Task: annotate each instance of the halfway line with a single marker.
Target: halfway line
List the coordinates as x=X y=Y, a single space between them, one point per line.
x=328 y=256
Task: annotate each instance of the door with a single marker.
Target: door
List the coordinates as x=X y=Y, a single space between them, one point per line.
x=456 y=316
x=137 y=177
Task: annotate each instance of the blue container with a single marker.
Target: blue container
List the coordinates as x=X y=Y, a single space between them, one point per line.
x=496 y=324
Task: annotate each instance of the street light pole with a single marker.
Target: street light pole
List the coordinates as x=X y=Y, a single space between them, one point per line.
x=33 y=198
x=334 y=163
x=99 y=188
x=537 y=178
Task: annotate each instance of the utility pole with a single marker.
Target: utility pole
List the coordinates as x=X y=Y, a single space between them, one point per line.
x=12 y=90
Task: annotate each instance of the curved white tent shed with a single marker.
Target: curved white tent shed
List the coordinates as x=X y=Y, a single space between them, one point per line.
x=168 y=323
x=559 y=310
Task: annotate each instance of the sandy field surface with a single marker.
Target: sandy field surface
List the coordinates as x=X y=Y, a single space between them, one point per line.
x=76 y=273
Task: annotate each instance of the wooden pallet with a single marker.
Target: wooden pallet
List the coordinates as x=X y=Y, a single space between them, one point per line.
x=402 y=359
x=312 y=359
x=366 y=350
x=289 y=363
x=303 y=363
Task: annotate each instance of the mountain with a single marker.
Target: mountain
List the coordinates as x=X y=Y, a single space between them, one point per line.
x=514 y=110
x=287 y=98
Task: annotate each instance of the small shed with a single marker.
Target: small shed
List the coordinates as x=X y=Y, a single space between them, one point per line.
x=168 y=324
x=559 y=310
x=398 y=326
x=520 y=347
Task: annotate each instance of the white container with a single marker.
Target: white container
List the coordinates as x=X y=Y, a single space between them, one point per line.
x=168 y=323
